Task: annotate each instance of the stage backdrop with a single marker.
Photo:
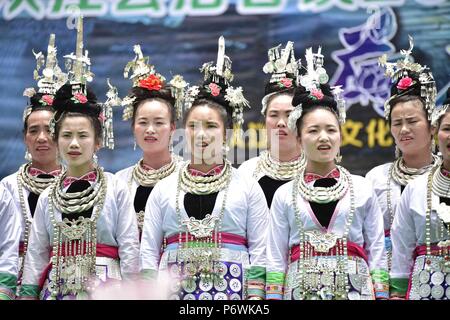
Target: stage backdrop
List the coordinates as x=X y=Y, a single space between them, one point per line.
x=180 y=35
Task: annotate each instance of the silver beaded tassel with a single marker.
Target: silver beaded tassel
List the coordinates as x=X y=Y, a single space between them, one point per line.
x=113 y=100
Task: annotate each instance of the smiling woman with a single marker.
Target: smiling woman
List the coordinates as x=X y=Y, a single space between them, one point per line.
x=208 y=235
x=84 y=231
x=42 y=165
x=153 y=106
x=319 y=219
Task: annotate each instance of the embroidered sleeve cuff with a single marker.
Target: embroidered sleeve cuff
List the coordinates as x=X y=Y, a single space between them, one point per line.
x=8 y=284
x=380 y=280
x=29 y=291
x=274 y=285
x=256 y=281
x=399 y=287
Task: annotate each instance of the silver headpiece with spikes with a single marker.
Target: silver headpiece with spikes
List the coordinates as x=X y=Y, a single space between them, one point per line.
x=315 y=76
x=52 y=77
x=145 y=76
x=284 y=69
x=78 y=65
x=217 y=74
x=400 y=73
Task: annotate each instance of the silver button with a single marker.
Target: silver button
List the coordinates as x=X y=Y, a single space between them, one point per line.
x=220 y=296
x=437 y=292
x=220 y=284
x=424 y=290
x=235 y=285
x=205 y=296
x=189 y=296
x=235 y=270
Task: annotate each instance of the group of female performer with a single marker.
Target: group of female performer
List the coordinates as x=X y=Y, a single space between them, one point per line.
x=289 y=224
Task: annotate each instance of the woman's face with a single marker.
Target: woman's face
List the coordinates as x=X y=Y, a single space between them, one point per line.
x=152 y=127
x=279 y=137
x=320 y=136
x=37 y=138
x=205 y=132
x=77 y=142
x=444 y=139
x=410 y=128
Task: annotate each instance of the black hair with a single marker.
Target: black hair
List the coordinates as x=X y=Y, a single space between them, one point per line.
x=310 y=103
x=66 y=106
x=163 y=95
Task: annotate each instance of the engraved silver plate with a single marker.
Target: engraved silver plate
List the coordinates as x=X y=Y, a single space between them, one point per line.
x=205 y=284
x=189 y=296
x=220 y=268
x=424 y=290
x=235 y=285
x=220 y=296
x=205 y=296
x=437 y=292
x=354 y=295
x=297 y=294
x=188 y=285
x=235 y=270
x=220 y=284
x=356 y=281
x=437 y=278
x=326 y=279
x=424 y=276
x=235 y=296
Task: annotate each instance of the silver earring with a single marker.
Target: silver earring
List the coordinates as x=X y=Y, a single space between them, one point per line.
x=95 y=158
x=225 y=149
x=134 y=147
x=170 y=145
x=397 y=152
x=338 y=157
x=28 y=156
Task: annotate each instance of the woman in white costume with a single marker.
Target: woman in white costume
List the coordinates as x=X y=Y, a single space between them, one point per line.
x=209 y=231
x=9 y=245
x=42 y=167
x=283 y=158
x=84 y=231
x=325 y=239
x=408 y=111
x=420 y=231
x=153 y=107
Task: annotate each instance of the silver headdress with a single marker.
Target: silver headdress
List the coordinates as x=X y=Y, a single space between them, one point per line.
x=439 y=112
x=311 y=81
x=216 y=77
x=407 y=76
x=284 y=69
x=145 y=76
x=50 y=81
x=78 y=65
x=107 y=115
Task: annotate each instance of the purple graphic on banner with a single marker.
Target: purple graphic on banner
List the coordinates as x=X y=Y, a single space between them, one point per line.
x=358 y=71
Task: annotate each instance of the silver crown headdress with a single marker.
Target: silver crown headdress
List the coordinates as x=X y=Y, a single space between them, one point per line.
x=145 y=76
x=220 y=74
x=283 y=67
x=52 y=77
x=315 y=76
x=401 y=71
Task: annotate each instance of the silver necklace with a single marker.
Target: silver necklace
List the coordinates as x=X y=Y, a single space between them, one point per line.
x=278 y=170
